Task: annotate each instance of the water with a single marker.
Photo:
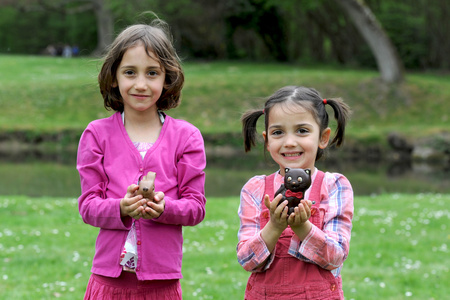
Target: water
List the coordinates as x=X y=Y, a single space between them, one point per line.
x=57 y=177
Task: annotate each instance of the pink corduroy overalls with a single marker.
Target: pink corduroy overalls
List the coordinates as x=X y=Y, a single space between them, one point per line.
x=289 y=277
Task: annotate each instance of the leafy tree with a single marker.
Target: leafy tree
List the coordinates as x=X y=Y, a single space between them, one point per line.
x=55 y=15
x=261 y=17
x=289 y=30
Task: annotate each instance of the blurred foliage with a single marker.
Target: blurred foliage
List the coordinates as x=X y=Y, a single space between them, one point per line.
x=306 y=31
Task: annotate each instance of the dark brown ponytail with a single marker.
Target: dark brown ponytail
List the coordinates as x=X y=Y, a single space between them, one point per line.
x=249 y=120
x=341 y=114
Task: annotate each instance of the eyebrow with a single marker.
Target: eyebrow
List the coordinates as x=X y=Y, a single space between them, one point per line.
x=297 y=125
x=149 y=67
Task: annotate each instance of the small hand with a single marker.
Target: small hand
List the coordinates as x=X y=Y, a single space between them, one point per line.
x=301 y=214
x=278 y=213
x=154 y=208
x=132 y=205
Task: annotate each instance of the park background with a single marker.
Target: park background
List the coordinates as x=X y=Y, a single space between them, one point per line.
x=235 y=53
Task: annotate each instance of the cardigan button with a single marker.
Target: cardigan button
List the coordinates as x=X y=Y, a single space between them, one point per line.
x=249 y=287
x=141 y=169
x=138 y=242
x=313 y=211
x=333 y=287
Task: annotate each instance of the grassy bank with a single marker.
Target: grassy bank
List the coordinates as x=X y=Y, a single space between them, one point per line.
x=398 y=250
x=47 y=94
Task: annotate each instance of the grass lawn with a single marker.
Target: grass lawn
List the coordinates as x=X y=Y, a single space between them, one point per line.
x=399 y=242
x=398 y=249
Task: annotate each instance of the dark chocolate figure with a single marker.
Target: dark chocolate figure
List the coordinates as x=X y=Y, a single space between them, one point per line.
x=296 y=182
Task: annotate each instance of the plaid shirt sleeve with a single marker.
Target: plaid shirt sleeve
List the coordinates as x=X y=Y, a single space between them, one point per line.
x=329 y=247
x=252 y=252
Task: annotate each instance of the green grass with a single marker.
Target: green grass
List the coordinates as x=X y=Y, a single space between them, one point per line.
x=47 y=94
x=399 y=249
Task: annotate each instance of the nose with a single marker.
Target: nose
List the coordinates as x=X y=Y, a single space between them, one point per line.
x=290 y=140
x=145 y=189
x=141 y=83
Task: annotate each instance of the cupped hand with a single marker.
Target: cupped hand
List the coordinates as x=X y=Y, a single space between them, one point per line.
x=301 y=214
x=278 y=213
x=131 y=204
x=155 y=207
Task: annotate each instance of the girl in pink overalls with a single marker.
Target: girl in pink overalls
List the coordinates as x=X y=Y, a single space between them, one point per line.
x=297 y=255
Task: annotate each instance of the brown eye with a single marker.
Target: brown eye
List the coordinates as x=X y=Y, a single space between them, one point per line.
x=299 y=179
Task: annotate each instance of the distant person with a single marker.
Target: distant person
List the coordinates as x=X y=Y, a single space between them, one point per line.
x=297 y=255
x=67 y=51
x=75 y=50
x=50 y=50
x=139 y=248
x=59 y=50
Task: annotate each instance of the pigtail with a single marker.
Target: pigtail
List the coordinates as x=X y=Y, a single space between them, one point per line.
x=249 y=120
x=342 y=114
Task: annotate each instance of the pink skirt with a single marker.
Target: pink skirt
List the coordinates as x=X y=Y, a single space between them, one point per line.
x=127 y=286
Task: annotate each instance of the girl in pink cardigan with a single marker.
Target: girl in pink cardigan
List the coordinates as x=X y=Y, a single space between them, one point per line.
x=138 y=250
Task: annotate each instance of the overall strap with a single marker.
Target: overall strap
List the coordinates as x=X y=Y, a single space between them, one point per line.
x=268 y=189
x=314 y=195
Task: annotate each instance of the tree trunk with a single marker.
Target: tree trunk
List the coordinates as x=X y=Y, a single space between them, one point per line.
x=386 y=56
x=105 y=26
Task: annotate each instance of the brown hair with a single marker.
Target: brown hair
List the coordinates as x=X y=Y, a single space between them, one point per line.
x=309 y=99
x=156 y=38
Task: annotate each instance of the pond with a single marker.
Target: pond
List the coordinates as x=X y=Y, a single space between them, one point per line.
x=55 y=176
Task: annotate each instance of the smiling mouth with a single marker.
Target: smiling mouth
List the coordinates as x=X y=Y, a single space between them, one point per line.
x=291 y=154
x=141 y=96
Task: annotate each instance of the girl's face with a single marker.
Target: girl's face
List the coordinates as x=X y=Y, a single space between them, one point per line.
x=140 y=79
x=293 y=137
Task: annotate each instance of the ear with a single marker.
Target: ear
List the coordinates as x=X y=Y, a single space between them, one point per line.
x=308 y=171
x=264 y=134
x=324 y=138
x=114 y=84
x=286 y=170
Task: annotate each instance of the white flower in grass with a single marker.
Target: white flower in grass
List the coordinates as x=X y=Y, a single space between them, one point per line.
x=76 y=256
x=196 y=292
